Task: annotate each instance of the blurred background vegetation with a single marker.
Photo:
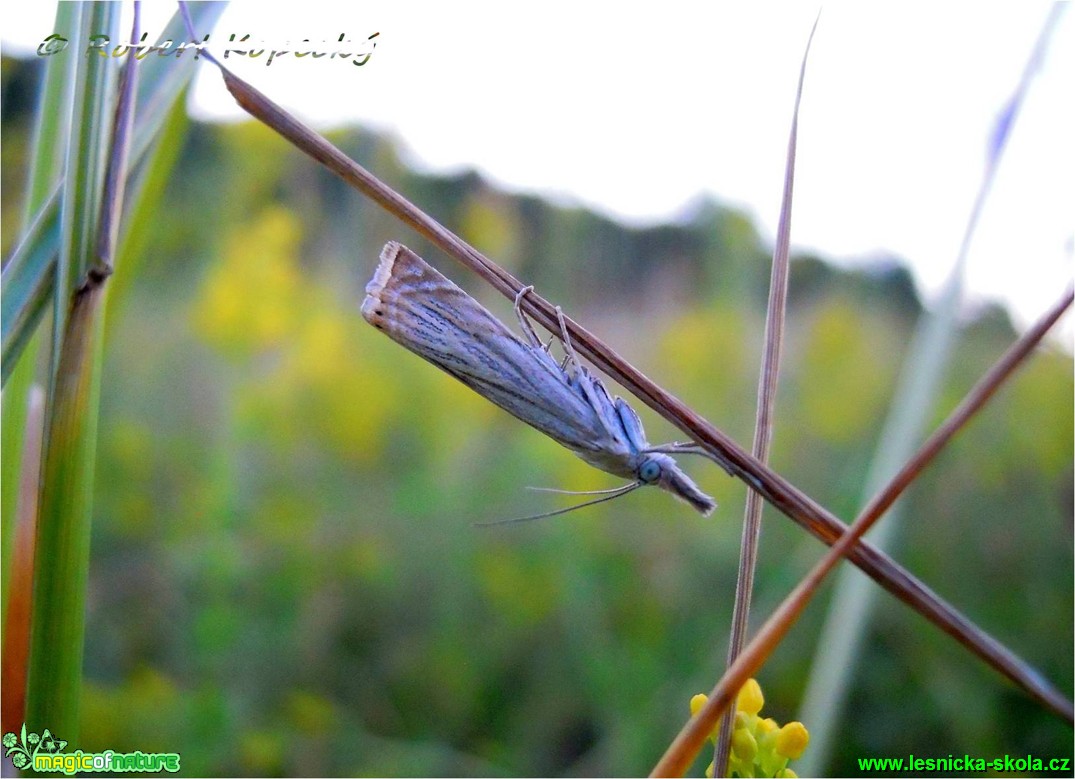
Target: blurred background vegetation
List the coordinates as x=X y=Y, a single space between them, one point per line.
x=285 y=578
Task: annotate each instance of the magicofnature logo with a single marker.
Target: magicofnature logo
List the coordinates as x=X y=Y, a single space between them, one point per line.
x=44 y=753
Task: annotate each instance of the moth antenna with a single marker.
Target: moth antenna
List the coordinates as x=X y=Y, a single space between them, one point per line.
x=617 y=493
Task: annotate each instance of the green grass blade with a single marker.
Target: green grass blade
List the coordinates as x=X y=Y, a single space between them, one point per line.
x=161 y=84
x=50 y=123
x=849 y=611
x=80 y=203
x=50 y=132
x=54 y=679
x=26 y=286
x=54 y=676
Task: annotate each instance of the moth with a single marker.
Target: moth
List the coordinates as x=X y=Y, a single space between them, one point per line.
x=420 y=309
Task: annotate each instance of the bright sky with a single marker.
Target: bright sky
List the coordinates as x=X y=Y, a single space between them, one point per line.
x=637 y=113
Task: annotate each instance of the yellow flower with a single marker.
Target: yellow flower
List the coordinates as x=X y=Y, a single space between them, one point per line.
x=759 y=747
x=750 y=698
x=792 y=739
x=697 y=702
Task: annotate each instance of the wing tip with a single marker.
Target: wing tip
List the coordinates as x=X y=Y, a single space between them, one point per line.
x=385 y=266
x=372 y=306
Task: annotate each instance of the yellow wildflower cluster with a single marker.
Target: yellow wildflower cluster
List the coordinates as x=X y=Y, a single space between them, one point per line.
x=309 y=373
x=760 y=747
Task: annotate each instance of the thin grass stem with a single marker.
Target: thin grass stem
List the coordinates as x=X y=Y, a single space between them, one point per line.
x=763 y=424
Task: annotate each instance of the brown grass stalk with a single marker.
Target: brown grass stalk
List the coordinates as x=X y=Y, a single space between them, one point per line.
x=690 y=740
x=774 y=488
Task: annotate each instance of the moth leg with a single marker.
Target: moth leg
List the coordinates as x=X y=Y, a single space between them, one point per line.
x=688 y=447
x=594 y=391
x=683 y=447
x=566 y=338
x=528 y=329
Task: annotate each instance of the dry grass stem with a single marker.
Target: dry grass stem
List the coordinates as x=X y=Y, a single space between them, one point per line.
x=691 y=739
x=774 y=488
x=763 y=424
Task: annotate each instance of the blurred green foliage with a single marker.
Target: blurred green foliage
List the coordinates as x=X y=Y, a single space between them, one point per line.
x=285 y=577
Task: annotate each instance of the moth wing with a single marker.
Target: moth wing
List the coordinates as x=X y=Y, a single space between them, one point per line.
x=419 y=308
x=632 y=425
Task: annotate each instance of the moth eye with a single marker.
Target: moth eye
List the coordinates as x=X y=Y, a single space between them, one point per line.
x=650 y=471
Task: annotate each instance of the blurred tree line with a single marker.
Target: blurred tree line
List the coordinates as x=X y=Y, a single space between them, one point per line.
x=285 y=579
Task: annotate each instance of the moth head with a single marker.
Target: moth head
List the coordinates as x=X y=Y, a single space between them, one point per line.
x=662 y=470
